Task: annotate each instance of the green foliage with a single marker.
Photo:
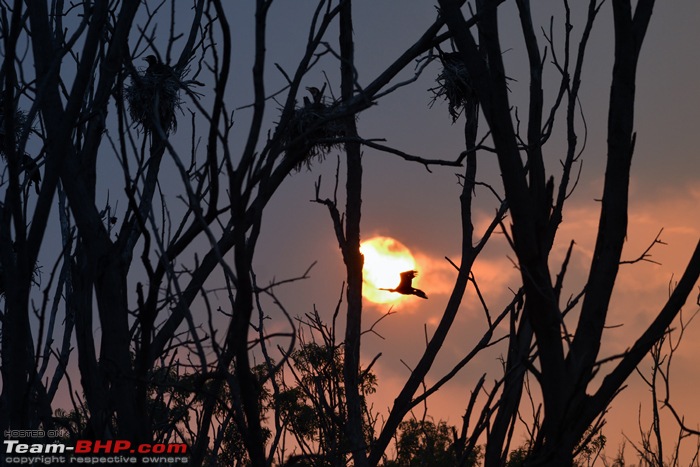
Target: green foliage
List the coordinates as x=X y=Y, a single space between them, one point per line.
x=588 y=451
x=313 y=409
x=427 y=444
x=74 y=422
x=170 y=395
x=300 y=415
x=591 y=448
x=518 y=456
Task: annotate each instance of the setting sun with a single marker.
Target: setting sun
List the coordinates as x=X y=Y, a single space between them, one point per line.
x=385 y=259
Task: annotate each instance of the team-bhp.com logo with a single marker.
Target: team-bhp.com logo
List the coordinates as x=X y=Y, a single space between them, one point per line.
x=93 y=452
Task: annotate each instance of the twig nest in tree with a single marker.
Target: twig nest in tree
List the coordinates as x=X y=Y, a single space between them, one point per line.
x=312 y=133
x=21 y=122
x=26 y=163
x=153 y=97
x=454 y=84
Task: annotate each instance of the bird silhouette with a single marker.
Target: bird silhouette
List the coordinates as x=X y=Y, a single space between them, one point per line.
x=317 y=101
x=405 y=287
x=157 y=68
x=316 y=94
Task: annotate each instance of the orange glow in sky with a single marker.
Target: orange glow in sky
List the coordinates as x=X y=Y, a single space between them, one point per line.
x=385 y=259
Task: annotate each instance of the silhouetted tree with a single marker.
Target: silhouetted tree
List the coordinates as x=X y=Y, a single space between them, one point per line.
x=313 y=406
x=125 y=267
x=116 y=297
x=567 y=357
x=425 y=443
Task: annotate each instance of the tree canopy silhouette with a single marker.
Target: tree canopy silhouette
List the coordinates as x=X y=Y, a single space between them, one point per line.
x=132 y=305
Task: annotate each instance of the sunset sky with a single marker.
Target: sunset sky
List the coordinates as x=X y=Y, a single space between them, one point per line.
x=420 y=209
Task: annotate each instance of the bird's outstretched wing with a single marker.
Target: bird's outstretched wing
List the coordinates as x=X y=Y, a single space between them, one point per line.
x=406 y=279
x=419 y=293
x=405 y=286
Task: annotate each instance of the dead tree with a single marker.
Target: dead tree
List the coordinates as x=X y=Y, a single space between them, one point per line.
x=566 y=366
x=130 y=335
x=145 y=321
x=73 y=113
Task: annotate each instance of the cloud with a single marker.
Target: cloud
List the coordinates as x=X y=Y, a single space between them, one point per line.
x=640 y=292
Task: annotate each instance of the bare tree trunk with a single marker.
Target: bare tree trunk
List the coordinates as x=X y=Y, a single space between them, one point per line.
x=564 y=378
x=351 y=250
x=248 y=386
x=629 y=35
x=15 y=257
x=404 y=402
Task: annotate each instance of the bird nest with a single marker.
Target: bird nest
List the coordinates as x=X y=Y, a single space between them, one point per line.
x=20 y=125
x=153 y=99
x=312 y=134
x=454 y=85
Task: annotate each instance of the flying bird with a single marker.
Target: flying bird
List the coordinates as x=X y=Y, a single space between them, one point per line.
x=405 y=287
